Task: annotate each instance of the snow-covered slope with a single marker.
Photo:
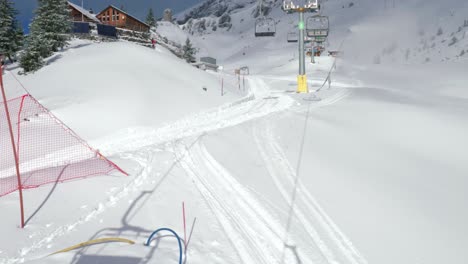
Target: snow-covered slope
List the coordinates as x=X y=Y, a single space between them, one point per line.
x=380 y=158
x=375 y=32
x=129 y=84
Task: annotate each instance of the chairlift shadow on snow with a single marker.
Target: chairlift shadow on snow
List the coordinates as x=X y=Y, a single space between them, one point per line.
x=130 y=230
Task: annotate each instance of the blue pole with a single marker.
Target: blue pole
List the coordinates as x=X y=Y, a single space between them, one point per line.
x=174 y=233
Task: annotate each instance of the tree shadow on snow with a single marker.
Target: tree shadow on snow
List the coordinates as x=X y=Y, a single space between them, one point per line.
x=53 y=59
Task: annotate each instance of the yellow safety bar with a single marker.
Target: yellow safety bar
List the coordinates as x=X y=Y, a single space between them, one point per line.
x=94 y=242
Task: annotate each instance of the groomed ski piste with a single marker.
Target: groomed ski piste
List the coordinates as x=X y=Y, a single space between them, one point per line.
x=382 y=175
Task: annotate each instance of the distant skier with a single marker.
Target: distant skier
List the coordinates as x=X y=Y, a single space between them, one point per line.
x=153 y=42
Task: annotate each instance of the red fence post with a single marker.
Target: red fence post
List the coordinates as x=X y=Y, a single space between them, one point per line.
x=20 y=188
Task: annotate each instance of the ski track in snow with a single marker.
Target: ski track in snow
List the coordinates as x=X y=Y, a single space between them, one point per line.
x=139 y=145
x=334 y=246
x=253 y=231
x=253 y=106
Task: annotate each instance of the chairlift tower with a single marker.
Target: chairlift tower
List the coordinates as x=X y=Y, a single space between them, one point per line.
x=301 y=7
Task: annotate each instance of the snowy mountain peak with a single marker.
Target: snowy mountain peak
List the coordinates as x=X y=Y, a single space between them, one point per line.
x=214 y=15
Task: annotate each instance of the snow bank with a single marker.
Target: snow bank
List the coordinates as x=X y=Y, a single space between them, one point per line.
x=120 y=85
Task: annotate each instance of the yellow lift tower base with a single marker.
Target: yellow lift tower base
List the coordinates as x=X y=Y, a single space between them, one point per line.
x=302 y=84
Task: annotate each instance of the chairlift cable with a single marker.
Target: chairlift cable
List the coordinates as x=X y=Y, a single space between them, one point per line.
x=331 y=69
x=261 y=8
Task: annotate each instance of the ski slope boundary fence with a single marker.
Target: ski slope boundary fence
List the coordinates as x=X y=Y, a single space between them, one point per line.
x=47 y=150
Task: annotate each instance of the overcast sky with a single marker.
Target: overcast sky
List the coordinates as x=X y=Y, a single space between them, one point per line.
x=138 y=8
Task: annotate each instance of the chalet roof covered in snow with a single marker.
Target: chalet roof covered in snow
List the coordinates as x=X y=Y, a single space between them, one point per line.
x=85 y=12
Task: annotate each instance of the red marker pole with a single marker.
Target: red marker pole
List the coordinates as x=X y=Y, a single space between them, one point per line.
x=7 y=112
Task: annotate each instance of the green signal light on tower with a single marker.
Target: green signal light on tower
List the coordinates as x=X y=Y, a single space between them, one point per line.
x=301 y=25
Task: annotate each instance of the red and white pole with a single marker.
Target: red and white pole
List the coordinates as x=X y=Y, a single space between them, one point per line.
x=7 y=112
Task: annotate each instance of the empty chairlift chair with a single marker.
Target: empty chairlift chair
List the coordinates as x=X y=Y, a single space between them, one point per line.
x=318 y=27
x=293 y=36
x=265 y=27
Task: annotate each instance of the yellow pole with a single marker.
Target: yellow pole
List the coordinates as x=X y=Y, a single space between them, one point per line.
x=301 y=78
x=302 y=84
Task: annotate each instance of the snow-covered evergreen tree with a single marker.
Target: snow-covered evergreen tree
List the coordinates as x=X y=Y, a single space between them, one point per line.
x=11 y=34
x=48 y=33
x=188 y=51
x=53 y=20
x=32 y=58
x=150 y=20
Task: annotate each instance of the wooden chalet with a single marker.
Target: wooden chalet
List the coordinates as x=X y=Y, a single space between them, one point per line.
x=116 y=17
x=79 y=14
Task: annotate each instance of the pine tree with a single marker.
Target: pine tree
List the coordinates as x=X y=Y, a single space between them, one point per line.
x=11 y=34
x=150 y=20
x=53 y=19
x=48 y=33
x=32 y=59
x=188 y=51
